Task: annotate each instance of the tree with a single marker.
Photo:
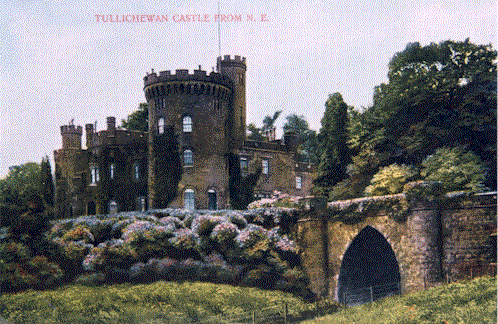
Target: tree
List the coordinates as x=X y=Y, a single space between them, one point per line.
x=138 y=120
x=259 y=134
x=335 y=154
x=390 y=180
x=254 y=133
x=47 y=182
x=440 y=95
x=456 y=168
x=308 y=148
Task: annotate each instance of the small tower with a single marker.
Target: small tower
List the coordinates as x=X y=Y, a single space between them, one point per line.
x=235 y=69
x=71 y=136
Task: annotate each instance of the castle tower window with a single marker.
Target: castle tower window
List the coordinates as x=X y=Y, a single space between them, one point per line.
x=94 y=172
x=187 y=124
x=243 y=164
x=265 y=166
x=113 y=207
x=299 y=183
x=141 y=204
x=189 y=199
x=160 y=126
x=112 y=170
x=136 y=171
x=188 y=158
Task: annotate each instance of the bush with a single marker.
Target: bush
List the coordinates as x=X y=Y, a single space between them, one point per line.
x=390 y=180
x=456 y=168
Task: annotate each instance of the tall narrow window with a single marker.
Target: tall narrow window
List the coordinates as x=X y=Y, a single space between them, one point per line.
x=189 y=199
x=187 y=124
x=160 y=126
x=188 y=158
x=243 y=164
x=112 y=170
x=113 y=207
x=94 y=172
x=299 y=181
x=141 y=204
x=136 y=171
x=265 y=168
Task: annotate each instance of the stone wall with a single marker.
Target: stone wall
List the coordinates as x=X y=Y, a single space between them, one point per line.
x=448 y=234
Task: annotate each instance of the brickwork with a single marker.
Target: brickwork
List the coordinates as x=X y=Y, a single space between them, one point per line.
x=435 y=238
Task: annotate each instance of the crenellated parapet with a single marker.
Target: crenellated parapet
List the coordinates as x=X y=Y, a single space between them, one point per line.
x=184 y=75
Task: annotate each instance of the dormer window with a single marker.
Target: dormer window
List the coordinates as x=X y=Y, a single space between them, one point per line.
x=188 y=158
x=160 y=126
x=187 y=124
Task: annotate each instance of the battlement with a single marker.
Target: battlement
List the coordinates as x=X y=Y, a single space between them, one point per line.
x=184 y=75
x=228 y=59
x=71 y=129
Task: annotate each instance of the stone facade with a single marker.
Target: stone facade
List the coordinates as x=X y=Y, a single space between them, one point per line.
x=207 y=113
x=441 y=240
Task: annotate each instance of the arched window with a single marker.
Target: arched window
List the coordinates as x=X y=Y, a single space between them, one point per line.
x=189 y=199
x=188 y=158
x=187 y=124
x=299 y=182
x=212 y=203
x=94 y=172
x=113 y=207
x=160 y=126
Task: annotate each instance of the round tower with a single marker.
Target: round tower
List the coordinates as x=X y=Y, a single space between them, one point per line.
x=71 y=136
x=235 y=69
x=196 y=107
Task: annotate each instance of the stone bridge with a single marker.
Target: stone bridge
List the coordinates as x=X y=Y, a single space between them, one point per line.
x=352 y=244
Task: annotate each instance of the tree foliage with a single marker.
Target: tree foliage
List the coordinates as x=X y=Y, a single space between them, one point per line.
x=455 y=168
x=47 y=182
x=335 y=153
x=390 y=180
x=241 y=188
x=138 y=120
x=308 y=148
x=259 y=134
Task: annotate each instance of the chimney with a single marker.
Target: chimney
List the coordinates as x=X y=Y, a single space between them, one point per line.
x=89 y=134
x=111 y=123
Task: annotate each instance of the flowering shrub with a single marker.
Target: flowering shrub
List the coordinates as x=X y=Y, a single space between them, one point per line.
x=237 y=219
x=112 y=253
x=135 y=229
x=185 y=239
x=250 y=235
x=74 y=250
x=15 y=252
x=174 y=221
x=79 y=233
x=203 y=225
x=224 y=232
x=278 y=199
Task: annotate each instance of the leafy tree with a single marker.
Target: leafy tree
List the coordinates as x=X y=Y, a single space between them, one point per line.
x=390 y=180
x=254 y=133
x=335 y=154
x=259 y=134
x=241 y=188
x=308 y=148
x=456 y=168
x=440 y=95
x=47 y=182
x=138 y=120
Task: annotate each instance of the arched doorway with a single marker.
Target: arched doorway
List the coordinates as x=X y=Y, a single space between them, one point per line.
x=212 y=203
x=369 y=269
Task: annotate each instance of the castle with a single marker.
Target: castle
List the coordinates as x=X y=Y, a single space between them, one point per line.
x=118 y=170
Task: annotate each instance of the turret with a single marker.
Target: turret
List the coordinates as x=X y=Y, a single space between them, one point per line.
x=111 y=124
x=89 y=134
x=291 y=141
x=235 y=69
x=71 y=136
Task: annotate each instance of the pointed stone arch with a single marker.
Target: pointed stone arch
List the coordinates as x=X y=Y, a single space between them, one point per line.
x=369 y=261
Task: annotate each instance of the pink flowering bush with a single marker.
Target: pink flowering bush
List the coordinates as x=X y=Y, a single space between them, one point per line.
x=203 y=225
x=224 y=232
x=174 y=221
x=237 y=219
x=250 y=235
x=110 y=254
x=79 y=233
x=185 y=239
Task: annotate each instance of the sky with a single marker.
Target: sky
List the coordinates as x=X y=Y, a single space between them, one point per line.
x=64 y=59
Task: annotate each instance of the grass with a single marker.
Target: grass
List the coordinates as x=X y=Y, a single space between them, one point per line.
x=159 y=302
x=461 y=302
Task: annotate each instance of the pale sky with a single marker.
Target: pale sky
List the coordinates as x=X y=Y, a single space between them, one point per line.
x=59 y=61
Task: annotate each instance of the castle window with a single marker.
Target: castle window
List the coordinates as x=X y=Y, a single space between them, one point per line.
x=244 y=165
x=113 y=207
x=299 y=183
x=241 y=78
x=160 y=126
x=188 y=158
x=112 y=170
x=265 y=166
x=189 y=199
x=141 y=204
x=136 y=171
x=94 y=172
x=187 y=124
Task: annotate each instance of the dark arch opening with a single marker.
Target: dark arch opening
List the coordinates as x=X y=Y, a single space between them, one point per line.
x=369 y=269
x=91 y=208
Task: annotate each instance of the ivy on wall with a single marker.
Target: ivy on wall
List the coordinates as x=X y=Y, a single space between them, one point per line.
x=168 y=168
x=241 y=188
